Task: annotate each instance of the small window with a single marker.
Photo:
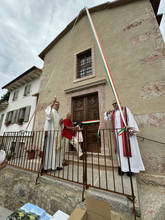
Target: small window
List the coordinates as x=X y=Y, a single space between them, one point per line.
x=84 y=64
x=27 y=90
x=15 y=95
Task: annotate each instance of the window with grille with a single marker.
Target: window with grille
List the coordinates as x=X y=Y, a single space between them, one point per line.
x=84 y=64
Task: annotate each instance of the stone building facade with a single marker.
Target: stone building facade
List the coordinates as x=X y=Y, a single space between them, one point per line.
x=134 y=48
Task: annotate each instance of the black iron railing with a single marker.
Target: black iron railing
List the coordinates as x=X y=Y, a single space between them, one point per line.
x=47 y=153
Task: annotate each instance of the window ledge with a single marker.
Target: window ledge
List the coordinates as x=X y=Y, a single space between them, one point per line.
x=84 y=78
x=86 y=86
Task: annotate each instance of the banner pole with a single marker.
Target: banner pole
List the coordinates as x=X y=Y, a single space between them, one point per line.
x=109 y=75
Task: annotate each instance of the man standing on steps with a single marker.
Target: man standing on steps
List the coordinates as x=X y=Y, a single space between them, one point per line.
x=53 y=156
x=68 y=137
x=121 y=149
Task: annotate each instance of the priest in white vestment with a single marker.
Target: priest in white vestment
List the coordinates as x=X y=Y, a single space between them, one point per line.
x=136 y=163
x=53 y=126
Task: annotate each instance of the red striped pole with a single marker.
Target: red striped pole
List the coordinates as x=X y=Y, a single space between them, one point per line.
x=107 y=69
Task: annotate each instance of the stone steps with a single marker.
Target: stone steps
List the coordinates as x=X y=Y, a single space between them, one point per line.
x=94 y=160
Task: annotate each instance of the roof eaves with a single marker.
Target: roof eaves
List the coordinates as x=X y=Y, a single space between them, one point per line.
x=20 y=76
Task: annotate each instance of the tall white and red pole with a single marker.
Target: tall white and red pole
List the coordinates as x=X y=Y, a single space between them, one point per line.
x=109 y=75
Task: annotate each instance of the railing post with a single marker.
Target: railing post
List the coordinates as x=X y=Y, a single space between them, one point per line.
x=40 y=172
x=128 y=150
x=84 y=162
x=45 y=133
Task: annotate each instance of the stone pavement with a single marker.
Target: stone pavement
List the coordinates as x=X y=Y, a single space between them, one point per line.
x=4 y=213
x=152 y=197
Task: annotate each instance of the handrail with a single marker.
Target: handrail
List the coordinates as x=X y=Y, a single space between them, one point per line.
x=150 y=139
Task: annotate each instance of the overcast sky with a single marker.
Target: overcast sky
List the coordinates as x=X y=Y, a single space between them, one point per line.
x=28 y=26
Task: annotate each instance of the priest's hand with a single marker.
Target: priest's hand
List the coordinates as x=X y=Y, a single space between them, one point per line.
x=131 y=133
x=53 y=102
x=61 y=121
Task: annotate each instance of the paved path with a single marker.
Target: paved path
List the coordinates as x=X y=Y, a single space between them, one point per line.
x=4 y=213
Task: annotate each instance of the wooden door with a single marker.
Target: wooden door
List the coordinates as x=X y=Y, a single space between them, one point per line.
x=86 y=108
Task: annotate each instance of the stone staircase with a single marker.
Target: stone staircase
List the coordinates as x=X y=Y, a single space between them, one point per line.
x=93 y=160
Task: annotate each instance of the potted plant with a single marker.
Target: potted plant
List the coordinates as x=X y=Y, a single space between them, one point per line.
x=7 y=123
x=9 y=156
x=31 y=153
x=40 y=153
x=20 y=121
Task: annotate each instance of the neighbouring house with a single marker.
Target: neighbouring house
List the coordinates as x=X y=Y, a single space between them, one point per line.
x=17 y=114
x=24 y=91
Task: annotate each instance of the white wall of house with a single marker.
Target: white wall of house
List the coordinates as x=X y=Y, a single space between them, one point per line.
x=21 y=102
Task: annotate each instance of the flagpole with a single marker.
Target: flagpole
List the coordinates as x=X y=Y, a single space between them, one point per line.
x=109 y=75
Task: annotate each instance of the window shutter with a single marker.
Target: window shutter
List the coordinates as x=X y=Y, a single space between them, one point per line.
x=21 y=116
x=13 y=96
x=16 y=95
x=17 y=115
x=13 y=117
x=25 y=91
x=10 y=116
x=27 y=113
x=28 y=89
x=7 y=116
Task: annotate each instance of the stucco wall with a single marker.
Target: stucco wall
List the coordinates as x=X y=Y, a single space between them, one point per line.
x=135 y=52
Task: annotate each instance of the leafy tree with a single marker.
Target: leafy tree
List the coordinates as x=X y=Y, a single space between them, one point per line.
x=5 y=97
